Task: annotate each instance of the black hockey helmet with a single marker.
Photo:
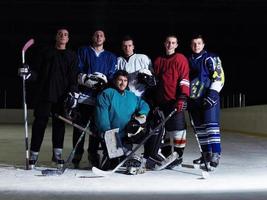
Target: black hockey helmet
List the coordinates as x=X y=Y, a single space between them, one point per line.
x=146 y=77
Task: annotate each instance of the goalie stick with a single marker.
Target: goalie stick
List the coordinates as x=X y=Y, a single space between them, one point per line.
x=205 y=174
x=60 y=171
x=24 y=49
x=152 y=132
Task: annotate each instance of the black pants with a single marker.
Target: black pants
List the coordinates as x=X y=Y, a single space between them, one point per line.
x=42 y=112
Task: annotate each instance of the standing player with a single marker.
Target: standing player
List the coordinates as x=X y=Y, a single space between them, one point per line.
x=56 y=77
x=96 y=67
x=137 y=65
x=172 y=72
x=207 y=80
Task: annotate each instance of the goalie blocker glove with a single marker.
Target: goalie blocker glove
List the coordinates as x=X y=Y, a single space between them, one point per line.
x=24 y=71
x=211 y=99
x=96 y=81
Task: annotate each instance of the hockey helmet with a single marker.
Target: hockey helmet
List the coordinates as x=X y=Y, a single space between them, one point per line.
x=96 y=81
x=146 y=77
x=135 y=131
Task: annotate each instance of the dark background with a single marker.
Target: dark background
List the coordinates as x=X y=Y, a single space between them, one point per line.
x=235 y=29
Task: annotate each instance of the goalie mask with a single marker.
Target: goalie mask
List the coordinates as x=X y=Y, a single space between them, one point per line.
x=146 y=77
x=135 y=131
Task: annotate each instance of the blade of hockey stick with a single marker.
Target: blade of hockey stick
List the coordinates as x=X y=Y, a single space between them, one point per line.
x=25 y=47
x=167 y=161
x=52 y=172
x=100 y=172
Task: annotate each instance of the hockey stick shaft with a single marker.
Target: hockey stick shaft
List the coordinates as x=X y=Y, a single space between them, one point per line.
x=151 y=132
x=24 y=49
x=73 y=124
x=198 y=142
x=26 y=124
x=50 y=172
x=70 y=157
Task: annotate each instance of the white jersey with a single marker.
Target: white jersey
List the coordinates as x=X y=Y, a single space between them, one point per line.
x=132 y=66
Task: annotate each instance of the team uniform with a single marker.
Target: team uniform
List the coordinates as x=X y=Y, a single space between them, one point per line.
x=207 y=80
x=172 y=73
x=55 y=76
x=89 y=62
x=133 y=65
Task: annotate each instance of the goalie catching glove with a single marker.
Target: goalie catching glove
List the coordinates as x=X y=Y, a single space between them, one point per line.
x=96 y=81
x=24 y=71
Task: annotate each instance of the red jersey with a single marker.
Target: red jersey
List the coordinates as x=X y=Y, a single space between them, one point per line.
x=173 y=74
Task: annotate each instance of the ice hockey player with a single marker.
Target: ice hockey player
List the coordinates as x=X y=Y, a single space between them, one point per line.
x=55 y=76
x=96 y=67
x=172 y=71
x=115 y=107
x=138 y=66
x=207 y=80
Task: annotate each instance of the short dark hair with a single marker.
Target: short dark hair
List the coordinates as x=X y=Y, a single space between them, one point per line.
x=120 y=73
x=171 y=35
x=198 y=36
x=127 y=38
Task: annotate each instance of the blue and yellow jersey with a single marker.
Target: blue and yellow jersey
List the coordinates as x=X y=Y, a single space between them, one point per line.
x=206 y=72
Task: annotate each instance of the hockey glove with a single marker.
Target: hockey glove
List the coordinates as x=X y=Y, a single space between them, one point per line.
x=181 y=103
x=211 y=99
x=24 y=71
x=72 y=100
x=81 y=78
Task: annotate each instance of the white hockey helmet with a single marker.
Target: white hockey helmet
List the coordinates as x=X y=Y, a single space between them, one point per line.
x=99 y=76
x=96 y=80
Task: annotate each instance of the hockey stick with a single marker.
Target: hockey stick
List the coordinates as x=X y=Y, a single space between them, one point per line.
x=152 y=132
x=24 y=49
x=86 y=130
x=205 y=174
x=51 y=172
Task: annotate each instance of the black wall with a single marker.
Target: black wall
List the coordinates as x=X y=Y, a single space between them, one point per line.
x=236 y=30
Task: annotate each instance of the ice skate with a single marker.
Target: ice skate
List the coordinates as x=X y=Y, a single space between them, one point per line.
x=214 y=160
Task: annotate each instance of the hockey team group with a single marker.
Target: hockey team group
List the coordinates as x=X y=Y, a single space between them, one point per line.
x=126 y=101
